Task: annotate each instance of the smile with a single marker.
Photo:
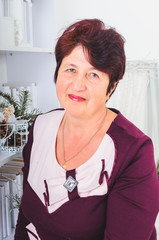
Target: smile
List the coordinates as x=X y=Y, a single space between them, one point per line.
x=76 y=98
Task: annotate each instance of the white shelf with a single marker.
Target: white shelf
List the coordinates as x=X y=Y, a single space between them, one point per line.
x=4 y=50
x=5 y=157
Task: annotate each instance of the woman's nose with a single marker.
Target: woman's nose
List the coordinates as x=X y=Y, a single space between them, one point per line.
x=79 y=82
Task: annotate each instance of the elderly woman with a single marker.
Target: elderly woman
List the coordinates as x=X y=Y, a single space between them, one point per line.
x=89 y=173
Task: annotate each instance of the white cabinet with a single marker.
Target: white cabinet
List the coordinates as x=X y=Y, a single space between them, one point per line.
x=33 y=63
x=5 y=157
x=12 y=50
x=16 y=31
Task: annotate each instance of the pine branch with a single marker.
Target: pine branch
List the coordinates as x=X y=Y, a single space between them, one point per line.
x=31 y=116
x=23 y=103
x=10 y=100
x=3 y=105
x=20 y=106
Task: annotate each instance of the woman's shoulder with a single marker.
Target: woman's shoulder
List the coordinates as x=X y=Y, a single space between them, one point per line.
x=46 y=121
x=48 y=117
x=52 y=113
x=133 y=147
x=124 y=129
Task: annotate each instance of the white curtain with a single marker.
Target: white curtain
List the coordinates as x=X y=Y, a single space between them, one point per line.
x=137 y=98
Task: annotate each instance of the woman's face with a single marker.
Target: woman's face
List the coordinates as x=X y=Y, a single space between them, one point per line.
x=81 y=89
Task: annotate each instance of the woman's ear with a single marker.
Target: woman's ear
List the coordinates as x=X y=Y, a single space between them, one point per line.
x=114 y=87
x=108 y=95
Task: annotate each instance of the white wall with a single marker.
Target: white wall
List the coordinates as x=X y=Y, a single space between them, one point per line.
x=136 y=20
x=38 y=67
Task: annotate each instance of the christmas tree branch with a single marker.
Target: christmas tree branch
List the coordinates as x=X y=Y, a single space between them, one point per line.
x=24 y=101
x=10 y=100
x=20 y=106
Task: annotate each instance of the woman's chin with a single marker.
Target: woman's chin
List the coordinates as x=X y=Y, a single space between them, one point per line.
x=75 y=111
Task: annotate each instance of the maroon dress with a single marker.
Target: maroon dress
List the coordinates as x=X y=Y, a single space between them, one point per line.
x=126 y=212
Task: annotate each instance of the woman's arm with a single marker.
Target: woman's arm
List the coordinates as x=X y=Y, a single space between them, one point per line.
x=133 y=202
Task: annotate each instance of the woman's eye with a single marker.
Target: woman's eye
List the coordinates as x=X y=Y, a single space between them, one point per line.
x=71 y=70
x=94 y=75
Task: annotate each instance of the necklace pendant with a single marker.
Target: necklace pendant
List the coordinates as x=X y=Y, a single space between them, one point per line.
x=70 y=184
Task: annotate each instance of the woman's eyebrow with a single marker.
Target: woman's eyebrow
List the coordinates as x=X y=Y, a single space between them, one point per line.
x=70 y=65
x=92 y=68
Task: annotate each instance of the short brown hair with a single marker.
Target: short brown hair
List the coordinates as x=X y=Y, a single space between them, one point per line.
x=105 y=47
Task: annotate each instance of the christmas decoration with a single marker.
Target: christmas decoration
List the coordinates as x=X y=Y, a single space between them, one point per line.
x=15 y=121
x=18 y=107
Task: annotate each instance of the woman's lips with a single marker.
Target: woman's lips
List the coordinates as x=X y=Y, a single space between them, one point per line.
x=76 y=98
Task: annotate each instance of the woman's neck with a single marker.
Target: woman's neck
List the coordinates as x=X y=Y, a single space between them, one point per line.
x=79 y=126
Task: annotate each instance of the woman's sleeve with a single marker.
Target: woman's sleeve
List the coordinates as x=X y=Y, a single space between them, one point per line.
x=22 y=222
x=133 y=202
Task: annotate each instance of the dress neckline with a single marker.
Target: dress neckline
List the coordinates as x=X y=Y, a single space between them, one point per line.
x=98 y=149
